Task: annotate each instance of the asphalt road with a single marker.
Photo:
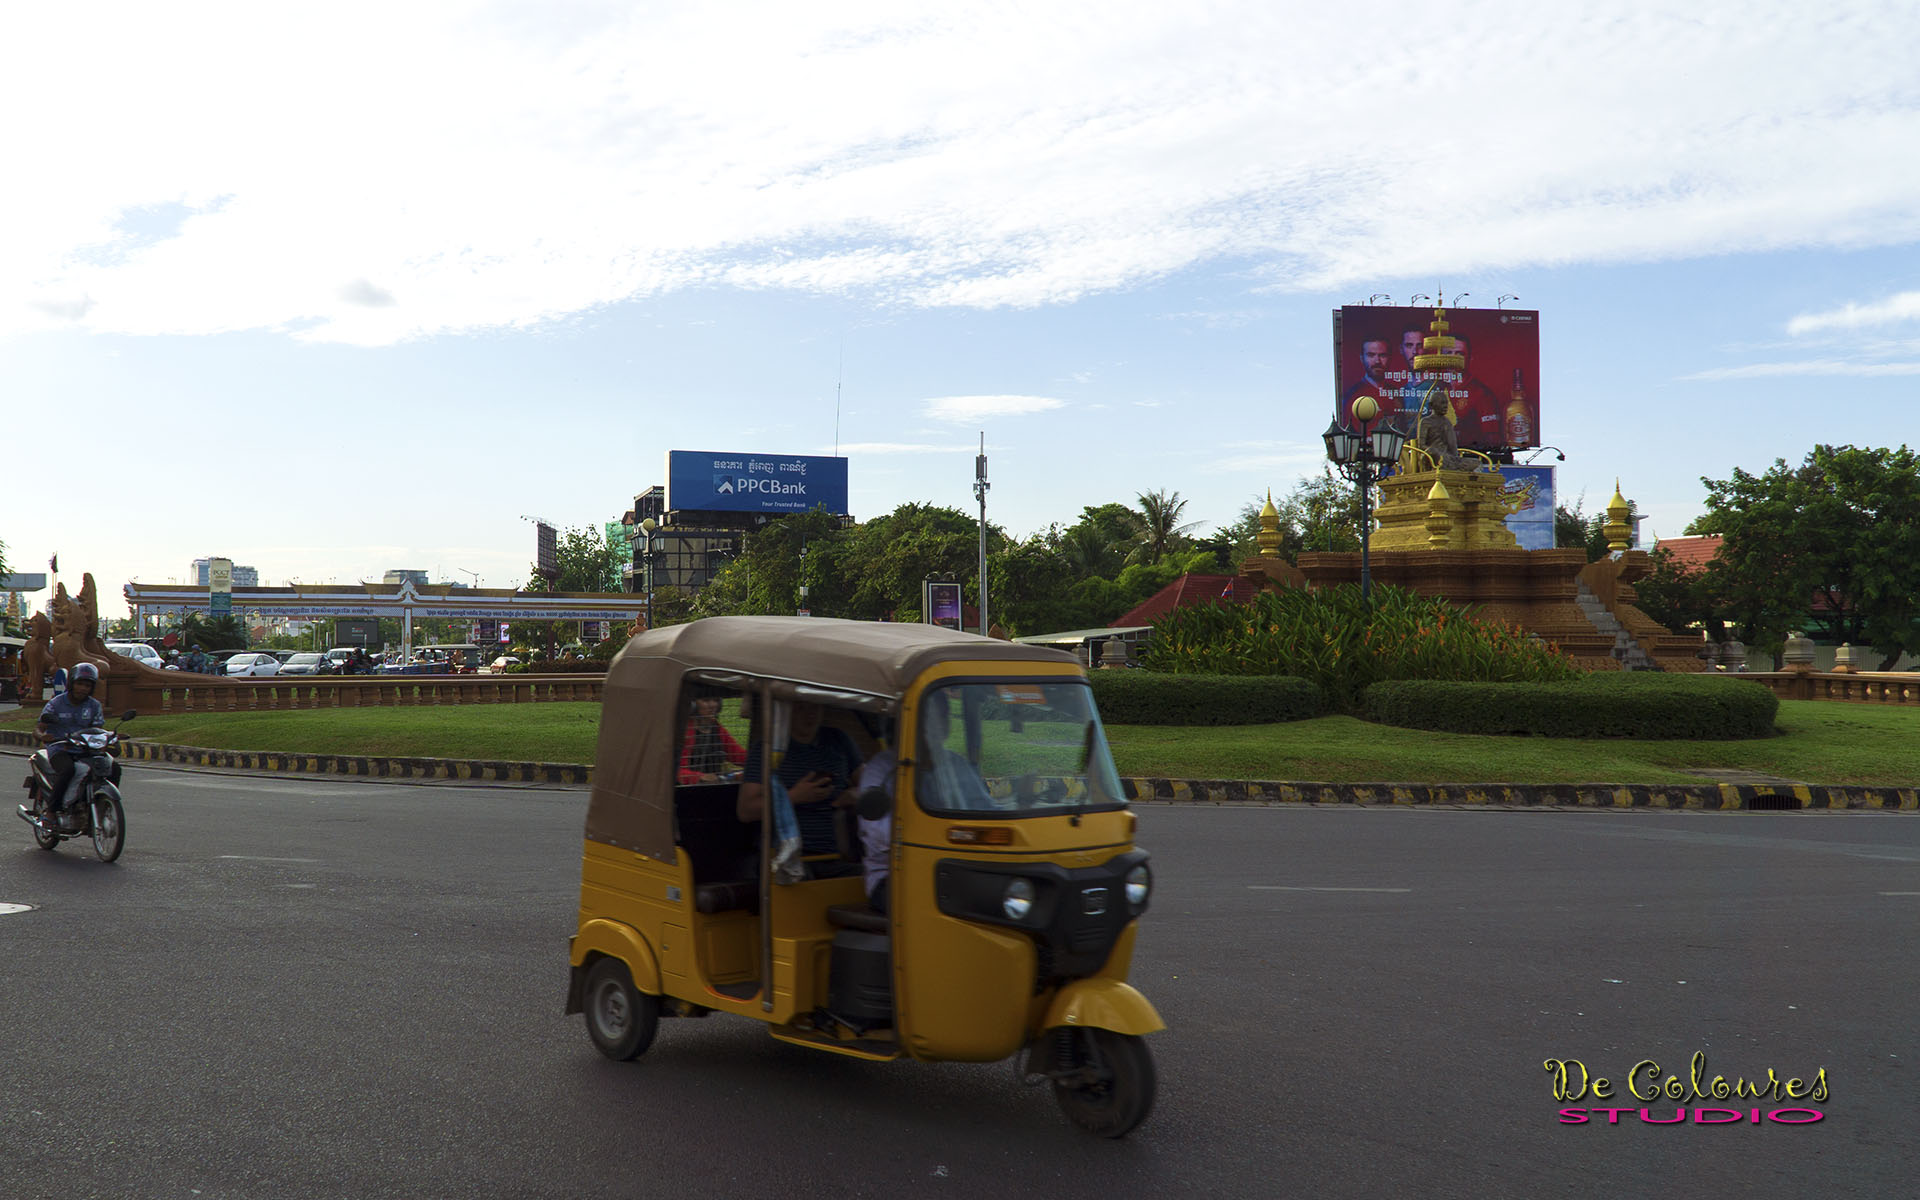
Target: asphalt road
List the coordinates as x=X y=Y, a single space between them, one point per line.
x=313 y=987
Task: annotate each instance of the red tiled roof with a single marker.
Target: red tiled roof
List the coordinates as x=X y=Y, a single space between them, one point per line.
x=1186 y=590
x=1691 y=552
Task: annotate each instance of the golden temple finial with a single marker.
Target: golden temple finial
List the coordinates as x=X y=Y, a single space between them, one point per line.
x=1617 y=527
x=1269 y=535
x=1439 y=520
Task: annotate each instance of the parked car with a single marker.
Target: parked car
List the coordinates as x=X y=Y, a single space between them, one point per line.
x=283 y=655
x=139 y=652
x=251 y=662
x=309 y=663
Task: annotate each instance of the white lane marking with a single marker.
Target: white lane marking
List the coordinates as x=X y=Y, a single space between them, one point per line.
x=7 y=910
x=264 y=858
x=1271 y=887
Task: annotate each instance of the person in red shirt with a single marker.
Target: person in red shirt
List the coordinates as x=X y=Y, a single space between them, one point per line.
x=708 y=746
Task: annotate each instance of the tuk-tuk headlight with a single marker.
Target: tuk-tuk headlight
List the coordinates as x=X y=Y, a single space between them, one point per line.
x=1139 y=883
x=1017 y=901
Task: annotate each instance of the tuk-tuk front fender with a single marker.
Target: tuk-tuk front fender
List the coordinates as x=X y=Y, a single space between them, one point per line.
x=1102 y=1004
x=616 y=940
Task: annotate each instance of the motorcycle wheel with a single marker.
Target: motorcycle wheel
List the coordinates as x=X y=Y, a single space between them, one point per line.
x=45 y=839
x=109 y=826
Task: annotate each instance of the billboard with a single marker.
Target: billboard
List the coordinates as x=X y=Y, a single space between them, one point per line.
x=220 y=587
x=703 y=480
x=356 y=631
x=546 y=551
x=1531 y=520
x=1495 y=397
x=942 y=604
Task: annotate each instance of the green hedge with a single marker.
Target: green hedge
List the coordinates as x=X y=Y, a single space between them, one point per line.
x=1156 y=698
x=1640 y=704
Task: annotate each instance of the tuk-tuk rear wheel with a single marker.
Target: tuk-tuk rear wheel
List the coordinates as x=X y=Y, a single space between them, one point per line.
x=1116 y=1090
x=621 y=1019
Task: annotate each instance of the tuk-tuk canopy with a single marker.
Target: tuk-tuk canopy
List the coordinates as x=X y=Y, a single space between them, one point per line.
x=868 y=663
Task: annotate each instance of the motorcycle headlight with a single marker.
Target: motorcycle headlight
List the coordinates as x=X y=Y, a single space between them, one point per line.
x=1017 y=902
x=1139 y=883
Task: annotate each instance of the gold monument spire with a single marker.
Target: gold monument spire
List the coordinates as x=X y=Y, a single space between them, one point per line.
x=1269 y=535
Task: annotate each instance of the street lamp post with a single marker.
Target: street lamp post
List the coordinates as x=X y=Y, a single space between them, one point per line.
x=646 y=561
x=1366 y=458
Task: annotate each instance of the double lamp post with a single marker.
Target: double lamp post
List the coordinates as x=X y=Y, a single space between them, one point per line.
x=1366 y=457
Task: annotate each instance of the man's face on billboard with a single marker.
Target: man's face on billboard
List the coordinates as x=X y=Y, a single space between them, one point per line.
x=1460 y=348
x=1410 y=345
x=1375 y=356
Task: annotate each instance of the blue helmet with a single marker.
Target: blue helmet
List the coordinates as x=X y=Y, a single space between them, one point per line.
x=86 y=672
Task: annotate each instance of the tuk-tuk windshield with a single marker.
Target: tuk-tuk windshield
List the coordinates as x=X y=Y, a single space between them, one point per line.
x=1012 y=749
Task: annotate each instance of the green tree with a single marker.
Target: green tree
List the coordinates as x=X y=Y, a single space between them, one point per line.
x=1102 y=541
x=1843 y=527
x=1029 y=581
x=1161 y=529
x=888 y=559
x=1678 y=596
x=766 y=577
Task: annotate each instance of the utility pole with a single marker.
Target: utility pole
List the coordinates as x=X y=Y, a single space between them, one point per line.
x=980 y=486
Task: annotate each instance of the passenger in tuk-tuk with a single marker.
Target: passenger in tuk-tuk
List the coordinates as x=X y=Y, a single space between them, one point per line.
x=708 y=751
x=817 y=770
x=876 y=831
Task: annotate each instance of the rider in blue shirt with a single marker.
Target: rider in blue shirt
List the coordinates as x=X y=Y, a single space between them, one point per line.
x=65 y=715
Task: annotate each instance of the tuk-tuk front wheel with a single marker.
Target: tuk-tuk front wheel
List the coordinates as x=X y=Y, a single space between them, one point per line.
x=1104 y=1081
x=621 y=1019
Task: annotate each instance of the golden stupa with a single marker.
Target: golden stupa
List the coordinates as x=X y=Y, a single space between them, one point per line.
x=1427 y=504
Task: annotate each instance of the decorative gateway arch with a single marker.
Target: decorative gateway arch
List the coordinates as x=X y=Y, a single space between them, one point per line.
x=405 y=600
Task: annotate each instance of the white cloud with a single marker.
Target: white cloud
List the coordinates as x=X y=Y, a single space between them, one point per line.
x=1819 y=366
x=968 y=409
x=499 y=164
x=1904 y=306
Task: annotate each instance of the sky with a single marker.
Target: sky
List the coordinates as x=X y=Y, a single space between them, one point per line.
x=332 y=290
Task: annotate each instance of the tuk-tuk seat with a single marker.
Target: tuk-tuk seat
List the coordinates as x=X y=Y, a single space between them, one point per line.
x=857 y=916
x=727 y=897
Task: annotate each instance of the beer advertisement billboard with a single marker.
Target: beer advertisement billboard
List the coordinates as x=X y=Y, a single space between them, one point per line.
x=1495 y=397
x=1530 y=492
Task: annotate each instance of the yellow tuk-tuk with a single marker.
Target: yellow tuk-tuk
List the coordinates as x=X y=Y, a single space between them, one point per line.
x=989 y=811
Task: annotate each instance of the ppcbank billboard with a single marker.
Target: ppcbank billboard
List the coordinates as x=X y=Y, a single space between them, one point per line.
x=716 y=481
x=1495 y=400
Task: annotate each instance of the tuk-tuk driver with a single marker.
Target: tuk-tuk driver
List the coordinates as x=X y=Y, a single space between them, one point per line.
x=818 y=771
x=948 y=780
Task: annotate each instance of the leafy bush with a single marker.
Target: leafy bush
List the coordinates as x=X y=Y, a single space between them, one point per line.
x=1332 y=639
x=559 y=666
x=1152 y=698
x=1603 y=704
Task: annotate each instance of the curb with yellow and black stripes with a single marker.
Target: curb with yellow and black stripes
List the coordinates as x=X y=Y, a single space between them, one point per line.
x=359 y=766
x=1726 y=797
x=1723 y=797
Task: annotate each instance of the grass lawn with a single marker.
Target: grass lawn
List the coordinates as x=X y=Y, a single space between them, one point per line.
x=1821 y=742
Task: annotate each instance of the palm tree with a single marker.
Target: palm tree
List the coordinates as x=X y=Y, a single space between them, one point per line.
x=1162 y=531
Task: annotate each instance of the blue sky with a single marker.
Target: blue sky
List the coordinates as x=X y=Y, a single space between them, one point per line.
x=354 y=290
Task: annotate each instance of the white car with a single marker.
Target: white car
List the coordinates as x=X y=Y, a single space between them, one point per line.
x=253 y=663
x=139 y=652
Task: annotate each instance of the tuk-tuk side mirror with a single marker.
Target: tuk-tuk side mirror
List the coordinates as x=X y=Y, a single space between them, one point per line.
x=874 y=803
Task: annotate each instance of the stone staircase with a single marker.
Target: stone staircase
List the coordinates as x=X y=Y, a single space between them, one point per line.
x=1631 y=654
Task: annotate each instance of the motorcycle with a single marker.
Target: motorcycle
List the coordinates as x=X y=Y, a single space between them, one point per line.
x=92 y=808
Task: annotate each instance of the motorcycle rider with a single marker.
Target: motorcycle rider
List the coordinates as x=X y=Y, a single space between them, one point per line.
x=64 y=716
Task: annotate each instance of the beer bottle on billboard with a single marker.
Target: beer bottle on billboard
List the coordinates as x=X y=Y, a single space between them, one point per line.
x=1519 y=427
